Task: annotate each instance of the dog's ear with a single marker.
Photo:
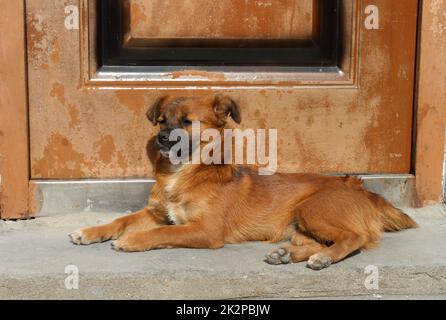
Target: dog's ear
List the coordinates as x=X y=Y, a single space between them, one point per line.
x=152 y=151
x=155 y=111
x=224 y=106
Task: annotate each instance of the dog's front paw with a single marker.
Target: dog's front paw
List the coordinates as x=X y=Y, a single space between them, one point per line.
x=318 y=261
x=80 y=237
x=279 y=256
x=92 y=235
x=129 y=244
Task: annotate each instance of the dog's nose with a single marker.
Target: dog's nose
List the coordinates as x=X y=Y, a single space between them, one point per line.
x=163 y=136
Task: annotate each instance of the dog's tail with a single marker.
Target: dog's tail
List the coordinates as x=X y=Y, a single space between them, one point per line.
x=392 y=219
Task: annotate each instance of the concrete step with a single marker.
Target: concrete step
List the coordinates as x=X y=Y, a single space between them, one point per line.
x=34 y=256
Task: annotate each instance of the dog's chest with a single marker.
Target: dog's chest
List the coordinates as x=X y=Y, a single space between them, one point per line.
x=177 y=210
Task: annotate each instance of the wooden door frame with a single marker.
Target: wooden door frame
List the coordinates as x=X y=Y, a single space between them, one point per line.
x=429 y=127
x=430 y=105
x=14 y=133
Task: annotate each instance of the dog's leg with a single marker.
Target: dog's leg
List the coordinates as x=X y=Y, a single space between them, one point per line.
x=176 y=236
x=300 y=249
x=345 y=244
x=141 y=219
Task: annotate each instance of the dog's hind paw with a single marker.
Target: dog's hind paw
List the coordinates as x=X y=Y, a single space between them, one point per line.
x=318 y=261
x=279 y=256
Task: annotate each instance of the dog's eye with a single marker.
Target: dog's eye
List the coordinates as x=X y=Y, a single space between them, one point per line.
x=186 y=122
x=162 y=121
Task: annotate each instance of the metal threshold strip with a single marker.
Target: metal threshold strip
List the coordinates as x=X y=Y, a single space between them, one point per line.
x=54 y=197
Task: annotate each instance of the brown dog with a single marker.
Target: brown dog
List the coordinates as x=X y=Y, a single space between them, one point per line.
x=205 y=206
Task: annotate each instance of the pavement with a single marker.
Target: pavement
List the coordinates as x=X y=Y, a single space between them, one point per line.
x=37 y=261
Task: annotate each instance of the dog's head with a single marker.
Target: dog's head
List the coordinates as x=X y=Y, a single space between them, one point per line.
x=179 y=113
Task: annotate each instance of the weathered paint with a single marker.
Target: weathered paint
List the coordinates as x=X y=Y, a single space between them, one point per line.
x=58 y=92
x=361 y=128
x=431 y=121
x=105 y=149
x=133 y=100
x=149 y=20
x=35 y=198
x=73 y=112
x=14 y=157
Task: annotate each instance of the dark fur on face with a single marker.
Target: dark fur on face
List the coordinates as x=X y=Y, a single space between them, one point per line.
x=179 y=113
